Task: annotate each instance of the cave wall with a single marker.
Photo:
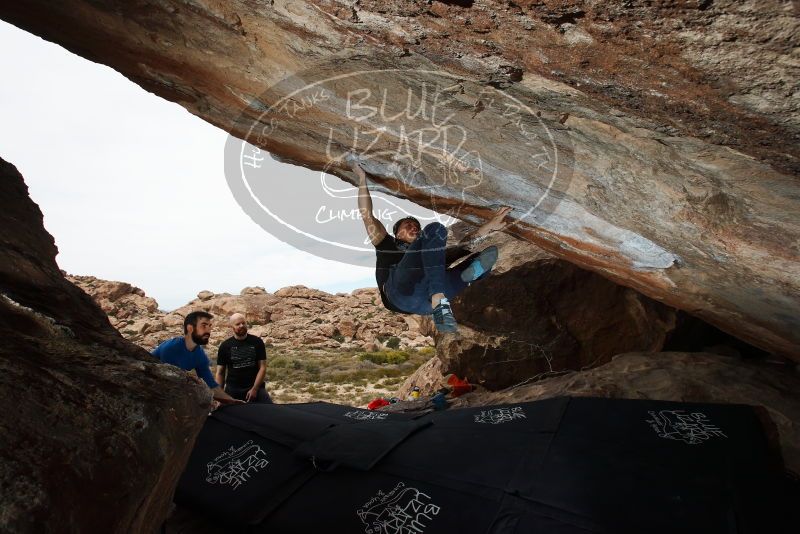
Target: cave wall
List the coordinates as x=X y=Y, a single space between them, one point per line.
x=94 y=433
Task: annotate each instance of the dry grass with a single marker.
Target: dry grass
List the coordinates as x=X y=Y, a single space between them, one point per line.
x=344 y=377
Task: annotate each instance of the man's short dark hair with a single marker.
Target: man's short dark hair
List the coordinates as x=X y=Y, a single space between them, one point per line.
x=398 y=223
x=192 y=318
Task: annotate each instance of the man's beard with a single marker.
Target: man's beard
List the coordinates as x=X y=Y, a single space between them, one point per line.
x=200 y=340
x=240 y=331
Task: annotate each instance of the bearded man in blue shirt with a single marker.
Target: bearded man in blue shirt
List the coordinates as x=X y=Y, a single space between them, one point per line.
x=187 y=352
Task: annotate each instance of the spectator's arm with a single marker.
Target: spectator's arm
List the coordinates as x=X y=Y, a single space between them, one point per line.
x=223 y=398
x=262 y=370
x=203 y=369
x=220 y=375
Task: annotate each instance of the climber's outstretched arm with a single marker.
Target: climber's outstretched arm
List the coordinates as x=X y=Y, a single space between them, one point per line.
x=496 y=223
x=375 y=230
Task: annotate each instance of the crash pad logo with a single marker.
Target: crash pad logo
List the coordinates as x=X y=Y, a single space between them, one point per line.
x=416 y=133
x=691 y=428
x=498 y=416
x=361 y=415
x=236 y=465
x=403 y=510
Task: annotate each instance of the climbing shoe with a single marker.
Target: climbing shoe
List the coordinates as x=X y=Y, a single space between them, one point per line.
x=443 y=317
x=481 y=265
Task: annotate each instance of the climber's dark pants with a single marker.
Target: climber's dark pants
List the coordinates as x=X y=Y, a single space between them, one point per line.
x=422 y=273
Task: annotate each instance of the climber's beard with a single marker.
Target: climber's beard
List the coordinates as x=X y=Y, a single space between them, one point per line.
x=201 y=340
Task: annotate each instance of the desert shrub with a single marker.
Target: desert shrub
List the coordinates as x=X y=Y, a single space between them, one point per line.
x=385 y=357
x=277 y=363
x=393 y=381
x=427 y=351
x=393 y=343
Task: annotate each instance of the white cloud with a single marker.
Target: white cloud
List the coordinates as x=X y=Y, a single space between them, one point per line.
x=132 y=186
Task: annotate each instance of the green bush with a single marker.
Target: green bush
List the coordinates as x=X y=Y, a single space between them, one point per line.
x=385 y=357
x=278 y=363
x=393 y=343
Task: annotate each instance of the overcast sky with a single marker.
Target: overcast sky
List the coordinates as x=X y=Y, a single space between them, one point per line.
x=132 y=186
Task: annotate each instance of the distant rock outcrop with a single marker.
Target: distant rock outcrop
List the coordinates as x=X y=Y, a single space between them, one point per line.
x=290 y=318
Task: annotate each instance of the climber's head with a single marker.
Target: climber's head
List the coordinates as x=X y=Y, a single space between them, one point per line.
x=406 y=229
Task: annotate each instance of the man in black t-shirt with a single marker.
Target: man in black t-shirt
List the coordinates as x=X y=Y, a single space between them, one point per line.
x=411 y=267
x=242 y=363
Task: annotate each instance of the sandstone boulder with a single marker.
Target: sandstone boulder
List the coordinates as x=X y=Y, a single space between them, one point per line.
x=94 y=431
x=429 y=378
x=547 y=316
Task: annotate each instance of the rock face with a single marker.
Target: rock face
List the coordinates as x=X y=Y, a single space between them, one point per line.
x=548 y=316
x=94 y=432
x=537 y=315
x=655 y=143
x=675 y=376
x=290 y=318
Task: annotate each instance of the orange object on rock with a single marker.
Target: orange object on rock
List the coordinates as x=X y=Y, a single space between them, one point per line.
x=458 y=385
x=377 y=403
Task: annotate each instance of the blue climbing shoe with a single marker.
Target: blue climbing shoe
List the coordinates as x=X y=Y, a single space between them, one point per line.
x=481 y=265
x=443 y=317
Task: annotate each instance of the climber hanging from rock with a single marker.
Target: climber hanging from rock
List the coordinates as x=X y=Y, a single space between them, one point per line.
x=411 y=266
